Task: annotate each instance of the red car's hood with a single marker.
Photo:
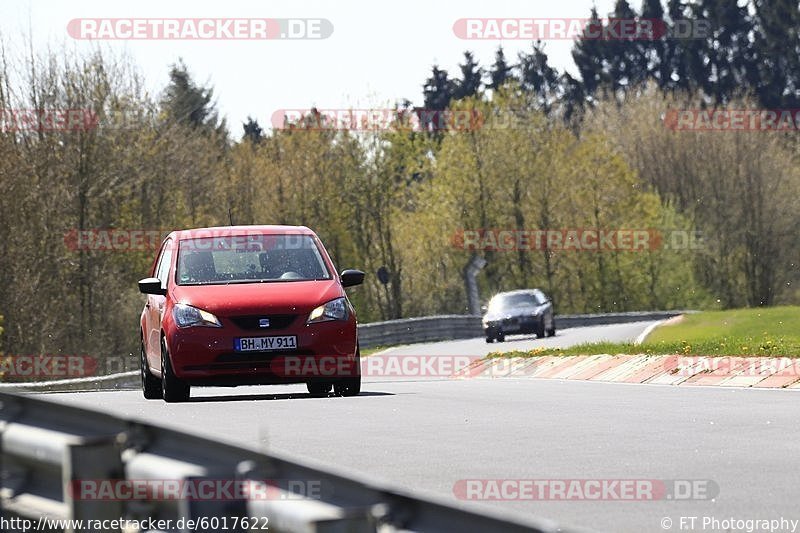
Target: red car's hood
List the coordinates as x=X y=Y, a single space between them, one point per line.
x=288 y=297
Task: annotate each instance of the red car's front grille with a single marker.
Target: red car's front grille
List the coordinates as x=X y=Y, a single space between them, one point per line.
x=251 y=360
x=236 y=357
x=253 y=322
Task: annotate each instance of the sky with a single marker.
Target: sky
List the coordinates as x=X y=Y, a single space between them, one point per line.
x=379 y=52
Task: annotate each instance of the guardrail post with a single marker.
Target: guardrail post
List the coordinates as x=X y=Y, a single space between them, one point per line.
x=209 y=513
x=92 y=462
x=471 y=270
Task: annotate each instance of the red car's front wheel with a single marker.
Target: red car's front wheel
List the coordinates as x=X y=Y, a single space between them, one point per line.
x=172 y=388
x=151 y=387
x=350 y=386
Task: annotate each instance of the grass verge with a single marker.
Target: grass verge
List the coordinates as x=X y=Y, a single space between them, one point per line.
x=739 y=332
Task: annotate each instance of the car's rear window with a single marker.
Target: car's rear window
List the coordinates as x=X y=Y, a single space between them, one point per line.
x=249 y=258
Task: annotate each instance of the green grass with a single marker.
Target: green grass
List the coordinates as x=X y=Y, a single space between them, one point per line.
x=740 y=332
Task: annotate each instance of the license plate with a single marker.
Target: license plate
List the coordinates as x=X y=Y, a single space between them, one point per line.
x=263 y=344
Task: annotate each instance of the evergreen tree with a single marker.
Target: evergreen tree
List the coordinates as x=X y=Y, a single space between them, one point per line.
x=775 y=70
x=726 y=53
x=589 y=57
x=438 y=91
x=471 y=80
x=538 y=77
x=573 y=96
x=252 y=131
x=654 y=53
x=685 y=57
x=501 y=70
x=188 y=103
x=623 y=54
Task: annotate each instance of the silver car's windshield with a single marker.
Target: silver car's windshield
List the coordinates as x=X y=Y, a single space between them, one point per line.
x=511 y=301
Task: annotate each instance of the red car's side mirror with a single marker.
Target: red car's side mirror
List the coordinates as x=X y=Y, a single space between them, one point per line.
x=352 y=277
x=152 y=286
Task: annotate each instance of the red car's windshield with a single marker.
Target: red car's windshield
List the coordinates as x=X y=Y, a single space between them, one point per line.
x=249 y=258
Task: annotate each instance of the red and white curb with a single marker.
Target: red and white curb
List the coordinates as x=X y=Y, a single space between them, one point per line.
x=758 y=372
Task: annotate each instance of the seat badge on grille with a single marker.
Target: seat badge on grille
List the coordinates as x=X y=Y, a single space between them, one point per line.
x=263 y=322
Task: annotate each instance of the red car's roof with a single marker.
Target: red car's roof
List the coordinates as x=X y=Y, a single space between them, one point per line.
x=240 y=230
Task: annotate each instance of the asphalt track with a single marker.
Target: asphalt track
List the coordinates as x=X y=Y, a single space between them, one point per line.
x=428 y=433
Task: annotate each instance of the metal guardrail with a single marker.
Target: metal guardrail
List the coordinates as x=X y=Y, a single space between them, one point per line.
x=423 y=329
x=122 y=380
x=47 y=447
x=389 y=333
x=449 y=327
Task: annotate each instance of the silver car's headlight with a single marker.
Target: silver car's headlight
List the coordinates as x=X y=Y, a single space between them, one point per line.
x=333 y=310
x=187 y=316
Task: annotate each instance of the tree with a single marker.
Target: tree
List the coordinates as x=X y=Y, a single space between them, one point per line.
x=538 y=78
x=726 y=53
x=623 y=54
x=438 y=92
x=775 y=69
x=589 y=55
x=471 y=81
x=188 y=103
x=573 y=97
x=735 y=187
x=501 y=71
x=252 y=131
x=651 y=58
x=189 y=109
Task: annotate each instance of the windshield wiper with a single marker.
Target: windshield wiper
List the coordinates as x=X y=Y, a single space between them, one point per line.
x=243 y=281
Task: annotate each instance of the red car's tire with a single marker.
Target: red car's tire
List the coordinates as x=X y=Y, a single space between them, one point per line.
x=350 y=386
x=151 y=386
x=172 y=389
x=319 y=388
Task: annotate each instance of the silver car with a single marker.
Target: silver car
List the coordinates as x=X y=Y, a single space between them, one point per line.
x=518 y=312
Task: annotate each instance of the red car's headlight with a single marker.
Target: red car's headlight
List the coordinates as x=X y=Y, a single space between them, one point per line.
x=333 y=310
x=187 y=316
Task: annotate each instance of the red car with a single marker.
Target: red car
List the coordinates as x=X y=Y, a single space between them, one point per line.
x=247 y=305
